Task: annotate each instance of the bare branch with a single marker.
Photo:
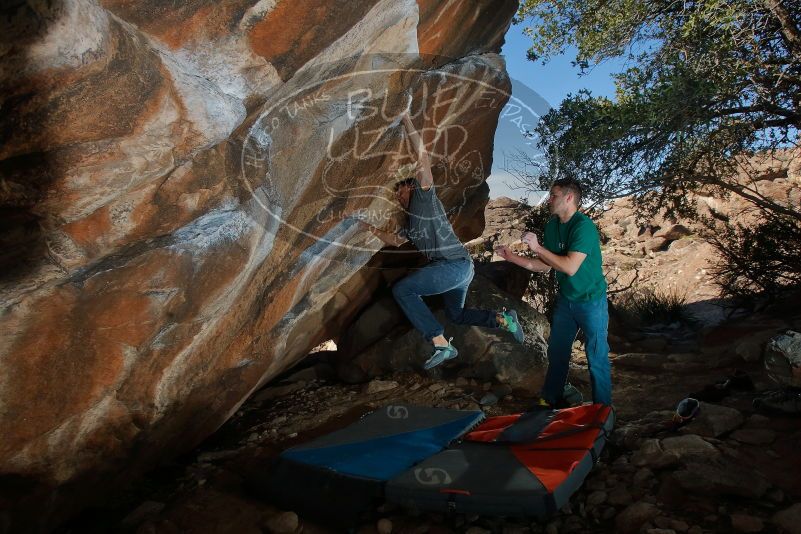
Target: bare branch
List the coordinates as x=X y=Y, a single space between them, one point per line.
x=789 y=30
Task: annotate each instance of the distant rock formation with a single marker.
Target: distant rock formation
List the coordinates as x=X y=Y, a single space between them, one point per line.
x=670 y=254
x=173 y=181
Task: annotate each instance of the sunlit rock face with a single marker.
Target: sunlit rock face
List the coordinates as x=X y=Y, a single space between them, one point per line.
x=174 y=186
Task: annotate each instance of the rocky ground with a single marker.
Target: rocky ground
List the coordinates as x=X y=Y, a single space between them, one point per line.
x=732 y=469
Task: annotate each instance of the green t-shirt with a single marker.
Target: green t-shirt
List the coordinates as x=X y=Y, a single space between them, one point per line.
x=578 y=234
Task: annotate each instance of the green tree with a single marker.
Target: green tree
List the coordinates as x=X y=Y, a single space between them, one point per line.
x=707 y=84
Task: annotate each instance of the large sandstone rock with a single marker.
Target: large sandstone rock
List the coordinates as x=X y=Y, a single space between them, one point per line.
x=175 y=178
x=711 y=479
x=789 y=520
x=511 y=278
x=783 y=359
x=505 y=221
x=673 y=450
x=714 y=421
x=673 y=232
x=635 y=516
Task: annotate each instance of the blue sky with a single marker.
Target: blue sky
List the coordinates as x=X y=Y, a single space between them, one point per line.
x=535 y=88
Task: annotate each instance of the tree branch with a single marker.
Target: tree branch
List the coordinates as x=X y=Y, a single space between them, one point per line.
x=754 y=109
x=790 y=32
x=753 y=196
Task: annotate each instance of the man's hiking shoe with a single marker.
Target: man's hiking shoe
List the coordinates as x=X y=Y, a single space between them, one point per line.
x=572 y=396
x=512 y=324
x=441 y=354
x=686 y=411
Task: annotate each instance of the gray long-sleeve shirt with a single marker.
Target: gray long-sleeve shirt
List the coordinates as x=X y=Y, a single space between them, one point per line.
x=429 y=229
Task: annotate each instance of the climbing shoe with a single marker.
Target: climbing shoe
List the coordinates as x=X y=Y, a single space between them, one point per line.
x=510 y=323
x=441 y=354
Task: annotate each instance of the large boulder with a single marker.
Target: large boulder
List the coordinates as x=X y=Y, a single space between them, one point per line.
x=789 y=520
x=630 y=520
x=783 y=359
x=511 y=278
x=673 y=232
x=174 y=180
x=722 y=477
x=657 y=454
x=714 y=421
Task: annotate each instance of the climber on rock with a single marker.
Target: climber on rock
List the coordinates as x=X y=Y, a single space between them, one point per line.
x=450 y=269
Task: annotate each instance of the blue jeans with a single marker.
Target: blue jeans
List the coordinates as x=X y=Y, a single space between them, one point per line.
x=593 y=319
x=449 y=278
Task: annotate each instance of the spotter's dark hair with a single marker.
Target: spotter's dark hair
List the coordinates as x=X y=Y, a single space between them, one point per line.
x=572 y=185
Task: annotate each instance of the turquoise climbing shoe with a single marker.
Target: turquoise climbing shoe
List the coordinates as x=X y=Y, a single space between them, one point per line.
x=441 y=354
x=512 y=324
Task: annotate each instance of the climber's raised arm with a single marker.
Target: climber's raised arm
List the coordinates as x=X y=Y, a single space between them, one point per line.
x=424 y=162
